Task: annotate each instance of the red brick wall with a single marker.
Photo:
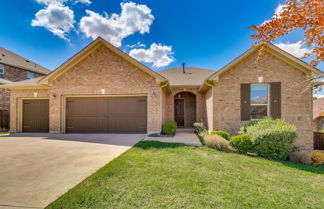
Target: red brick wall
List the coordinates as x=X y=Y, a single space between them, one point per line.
x=12 y=74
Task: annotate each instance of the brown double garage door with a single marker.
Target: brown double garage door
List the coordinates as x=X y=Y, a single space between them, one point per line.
x=106 y=115
x=90 y=115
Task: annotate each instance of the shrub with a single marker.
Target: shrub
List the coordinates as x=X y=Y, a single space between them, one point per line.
x=223 y=134
x=322 y=130
x=301 y=157
x=201 y=131
x=318 y=157
x=218 y=142
x=243 y=129
x=242 y=143
x=170 y=128
x=273 y=139
x=199 y=127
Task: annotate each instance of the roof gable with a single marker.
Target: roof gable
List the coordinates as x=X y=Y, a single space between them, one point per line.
x=87 y=51
x=271 y=49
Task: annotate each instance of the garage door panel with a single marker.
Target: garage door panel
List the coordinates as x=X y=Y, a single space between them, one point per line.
x=36 y=115
x=106 y=115
x=127 y=124
x=85 y=107
x=86 y=125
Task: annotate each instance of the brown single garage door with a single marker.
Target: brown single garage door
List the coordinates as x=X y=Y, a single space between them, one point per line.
x=106 y=115
x=36 y=115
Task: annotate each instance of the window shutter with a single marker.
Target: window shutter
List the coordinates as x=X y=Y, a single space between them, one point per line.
x=275 y=100
x=245 y=101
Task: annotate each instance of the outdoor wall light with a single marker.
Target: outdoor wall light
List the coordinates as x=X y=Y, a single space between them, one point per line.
x=103 y=91
x=153 y=95
x=53 y=96
x=260 y=79
x=35 y=94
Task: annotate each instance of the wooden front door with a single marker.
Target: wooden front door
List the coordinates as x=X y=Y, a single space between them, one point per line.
x=179 y=111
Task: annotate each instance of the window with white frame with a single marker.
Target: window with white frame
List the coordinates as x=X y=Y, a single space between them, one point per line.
x=259 y=101
x=1 y=69
x=30 y=75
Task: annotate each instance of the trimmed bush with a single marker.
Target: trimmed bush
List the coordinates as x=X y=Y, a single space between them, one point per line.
x=218 y=142
x=242 y=143
x=273 y=139
x=243 y=129
x=170 y=128
x=223 y=134
x=318 y=157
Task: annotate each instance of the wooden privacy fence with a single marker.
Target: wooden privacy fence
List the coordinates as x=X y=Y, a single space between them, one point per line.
x=319 y=140
x=4 y=120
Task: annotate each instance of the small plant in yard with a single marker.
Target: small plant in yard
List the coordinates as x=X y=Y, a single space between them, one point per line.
x=242 y=143
x=218 y=142
x=223 y=134
x=272 y=138
x=170 y=128
x=318 y=157
x=201 y=131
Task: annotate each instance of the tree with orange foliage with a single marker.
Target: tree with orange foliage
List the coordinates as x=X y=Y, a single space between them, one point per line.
x=306 y=15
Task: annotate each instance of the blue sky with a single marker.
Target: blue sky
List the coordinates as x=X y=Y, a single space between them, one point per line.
x=207 y=34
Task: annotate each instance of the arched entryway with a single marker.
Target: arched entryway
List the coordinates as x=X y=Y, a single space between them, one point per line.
x=185 y=109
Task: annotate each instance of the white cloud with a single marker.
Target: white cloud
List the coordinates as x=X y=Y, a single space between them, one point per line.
x=83 y=1
x=295 y=49
x=114 y=28
x=159 y=55
x=48 y=2
x=137 y=45
x=56 y=18
x=61 y=2
x=279 y=9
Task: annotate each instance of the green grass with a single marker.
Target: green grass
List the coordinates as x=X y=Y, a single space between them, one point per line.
x=1 y=133
x=168 y=175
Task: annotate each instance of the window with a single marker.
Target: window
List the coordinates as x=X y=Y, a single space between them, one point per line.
x=1 y=69
x=259 y=97
x=30 y=75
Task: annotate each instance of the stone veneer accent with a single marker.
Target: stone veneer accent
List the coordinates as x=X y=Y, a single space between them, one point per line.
x=296 y=98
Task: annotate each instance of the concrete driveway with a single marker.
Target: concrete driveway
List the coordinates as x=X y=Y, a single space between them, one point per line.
x=36 y=169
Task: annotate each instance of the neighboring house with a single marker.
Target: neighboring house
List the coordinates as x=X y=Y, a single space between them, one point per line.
x=14 y=68
x=101 y=89
x=318 y=113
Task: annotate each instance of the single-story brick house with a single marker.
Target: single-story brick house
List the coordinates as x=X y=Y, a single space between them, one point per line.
x=102 y=89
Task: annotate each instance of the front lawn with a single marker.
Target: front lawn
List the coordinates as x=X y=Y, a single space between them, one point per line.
x=167 y=175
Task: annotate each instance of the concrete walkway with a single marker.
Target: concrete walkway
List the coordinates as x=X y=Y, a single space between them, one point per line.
x=183 y=135
x=35 y=169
